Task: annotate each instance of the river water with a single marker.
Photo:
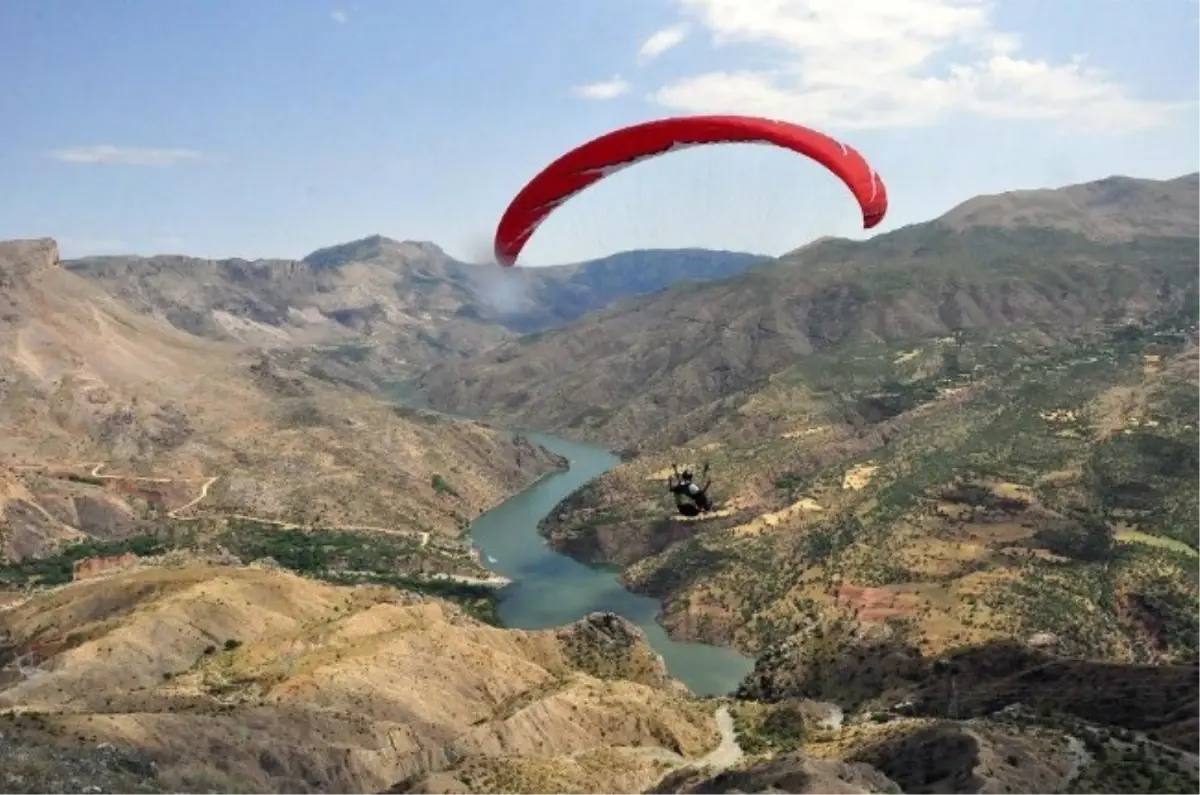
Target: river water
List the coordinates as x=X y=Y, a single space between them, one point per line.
x=550 y=589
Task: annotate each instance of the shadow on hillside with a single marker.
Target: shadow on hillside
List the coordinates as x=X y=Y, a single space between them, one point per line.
x=1161 y=700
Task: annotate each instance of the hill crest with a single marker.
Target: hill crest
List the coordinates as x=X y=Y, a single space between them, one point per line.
x=1115 y=208
x=657 y=368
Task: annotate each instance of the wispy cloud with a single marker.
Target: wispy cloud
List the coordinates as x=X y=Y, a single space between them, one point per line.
x=605 y=89
x=897 y=63
x=661 y=41
x=124 y=155
x=339 y=16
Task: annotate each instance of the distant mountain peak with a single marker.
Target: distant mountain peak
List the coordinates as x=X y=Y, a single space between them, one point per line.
x=369 y=248
x=1113 y=208
x=820 y=241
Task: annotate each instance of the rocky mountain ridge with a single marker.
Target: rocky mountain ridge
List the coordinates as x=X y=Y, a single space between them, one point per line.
x=378 y=309
x=658 y=369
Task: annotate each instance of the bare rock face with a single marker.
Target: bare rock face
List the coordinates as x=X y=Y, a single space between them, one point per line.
x=21 y=260
x=22 y=257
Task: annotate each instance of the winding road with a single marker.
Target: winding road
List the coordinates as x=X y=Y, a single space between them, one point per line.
x=174 y=513
x=94 y=471
x=727 y=753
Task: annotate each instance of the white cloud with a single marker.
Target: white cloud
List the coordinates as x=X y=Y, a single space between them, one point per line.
x=339 y=16
x=896 y=63
x=605 y=89
x=124 y=155
x=661 y=41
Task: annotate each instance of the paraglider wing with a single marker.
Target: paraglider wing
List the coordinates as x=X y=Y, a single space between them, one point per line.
x=600 y=157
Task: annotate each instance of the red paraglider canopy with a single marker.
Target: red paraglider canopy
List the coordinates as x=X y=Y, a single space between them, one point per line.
x=596 y=159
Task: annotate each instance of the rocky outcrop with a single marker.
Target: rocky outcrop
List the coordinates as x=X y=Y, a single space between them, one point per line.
x=101 y=564
x=609 y=646
x=23 y=258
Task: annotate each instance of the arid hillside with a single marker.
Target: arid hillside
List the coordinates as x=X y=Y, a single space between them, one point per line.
x=1030 y=481
x=958 y=490
x=1113 y=209
x=373 y=302
x=113 y=420
x=180 y=676
x=201 y=678
x=990 y=717
x=657 y=370
x=981 y=548
x=378 y=310
x=956 y=480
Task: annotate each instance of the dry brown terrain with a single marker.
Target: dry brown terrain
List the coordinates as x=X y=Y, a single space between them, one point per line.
x=956 y=521
x=1029 y=473
x=951 y=509
x=372 y=302
x=247 y=679
x=951 y=506
x=658 y=370
x=376 y=310
x=956 y=473
x=1113 y=209
x=112 y=418
x=177 y=675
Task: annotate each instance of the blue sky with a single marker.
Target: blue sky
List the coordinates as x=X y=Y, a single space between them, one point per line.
x=273 y=127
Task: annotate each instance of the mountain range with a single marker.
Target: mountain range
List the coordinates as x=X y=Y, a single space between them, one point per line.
x=115 y=421
x=660 y=367
x=383 y=307
x=955 y=471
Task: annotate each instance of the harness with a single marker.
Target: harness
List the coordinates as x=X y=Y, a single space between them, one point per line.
x=682 y=485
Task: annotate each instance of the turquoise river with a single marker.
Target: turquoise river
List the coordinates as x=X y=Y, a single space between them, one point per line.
x=550 y=589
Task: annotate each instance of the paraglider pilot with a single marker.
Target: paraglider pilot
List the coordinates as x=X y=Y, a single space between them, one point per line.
x=691 y=499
